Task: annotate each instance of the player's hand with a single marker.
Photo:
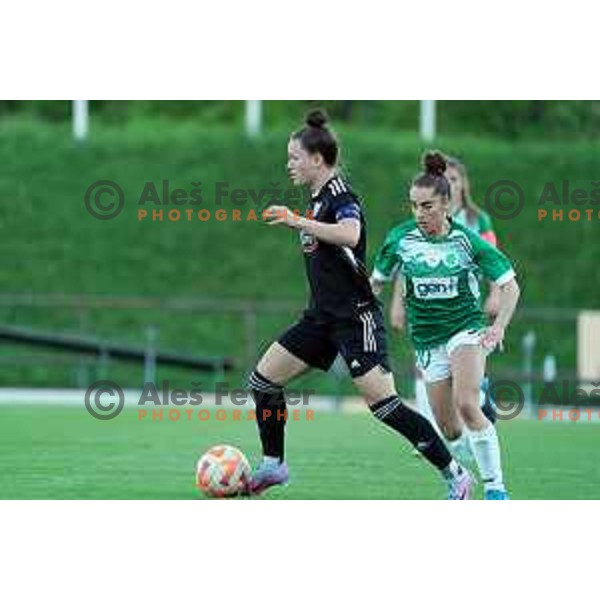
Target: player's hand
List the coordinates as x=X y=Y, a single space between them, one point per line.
x=376 y=286
x=275 y=215
x=492 y=337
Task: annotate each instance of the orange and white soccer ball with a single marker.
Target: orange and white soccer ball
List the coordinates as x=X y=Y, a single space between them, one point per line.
x=223 y=471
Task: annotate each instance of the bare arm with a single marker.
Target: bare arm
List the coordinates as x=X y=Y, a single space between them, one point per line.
x=345 y=232
x=508 y=298
x=397 y=310
x=492 y=301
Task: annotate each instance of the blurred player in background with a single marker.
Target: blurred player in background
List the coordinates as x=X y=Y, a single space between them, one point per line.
x=440 y=261
x=343 y=316
x=465 y=212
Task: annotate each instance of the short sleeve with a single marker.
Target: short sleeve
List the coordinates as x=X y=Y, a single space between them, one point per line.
x=485 y=223
x=388 y=260
x=347 y=209
x=486 y=229
x=493 y=264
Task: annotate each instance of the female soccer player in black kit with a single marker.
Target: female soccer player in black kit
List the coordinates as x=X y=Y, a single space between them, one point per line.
x=343 y=316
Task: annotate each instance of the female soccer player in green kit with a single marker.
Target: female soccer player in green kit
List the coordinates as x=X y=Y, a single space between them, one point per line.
x=463 y=211
x=439 y=261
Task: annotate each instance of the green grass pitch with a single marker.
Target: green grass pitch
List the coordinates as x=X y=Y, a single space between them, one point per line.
x=62 y=452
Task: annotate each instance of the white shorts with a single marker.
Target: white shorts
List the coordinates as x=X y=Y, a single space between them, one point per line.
x=435 y=362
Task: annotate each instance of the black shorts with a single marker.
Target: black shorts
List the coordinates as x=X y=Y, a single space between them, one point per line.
x=317 y=339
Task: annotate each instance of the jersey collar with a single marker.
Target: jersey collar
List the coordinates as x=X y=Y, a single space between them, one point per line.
x=316 y=194
x=439 y=238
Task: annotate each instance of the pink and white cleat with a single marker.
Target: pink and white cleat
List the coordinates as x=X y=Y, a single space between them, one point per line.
x=267 y=475
x=461 y=487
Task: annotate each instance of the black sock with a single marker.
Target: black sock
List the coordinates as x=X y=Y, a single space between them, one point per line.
x=271 y=414
x=414 y=427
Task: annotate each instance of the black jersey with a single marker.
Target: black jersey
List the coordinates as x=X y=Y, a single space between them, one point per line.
x=338 y=280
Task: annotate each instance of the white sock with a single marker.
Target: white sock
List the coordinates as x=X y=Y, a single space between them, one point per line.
x=486 y=449
x=461 y=449
x=271 y=460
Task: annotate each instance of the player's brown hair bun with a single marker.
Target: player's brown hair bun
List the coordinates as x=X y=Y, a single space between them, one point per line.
x=316 y=136
x=434 y=167
x=434 y=164
x=316 y=118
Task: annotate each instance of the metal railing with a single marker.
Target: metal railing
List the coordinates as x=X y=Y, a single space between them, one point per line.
x=81 y=308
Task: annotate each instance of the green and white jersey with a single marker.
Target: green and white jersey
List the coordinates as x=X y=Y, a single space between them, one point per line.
x=441 y=277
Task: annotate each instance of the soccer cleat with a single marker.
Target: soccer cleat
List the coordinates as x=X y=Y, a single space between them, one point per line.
x=267 y=475
x=460 y=487
x=496 y=495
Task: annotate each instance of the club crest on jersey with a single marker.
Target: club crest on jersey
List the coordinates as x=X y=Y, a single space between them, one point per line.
x=451 y=259
x=432 y=257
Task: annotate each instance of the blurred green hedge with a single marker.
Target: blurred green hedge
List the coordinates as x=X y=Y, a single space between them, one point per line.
x=52 y=245
x=511 y=119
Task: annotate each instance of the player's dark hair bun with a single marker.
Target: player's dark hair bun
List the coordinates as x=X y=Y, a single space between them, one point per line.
x=316 y=118
x=315 y=137
x=434 y=164
x=434 y=167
